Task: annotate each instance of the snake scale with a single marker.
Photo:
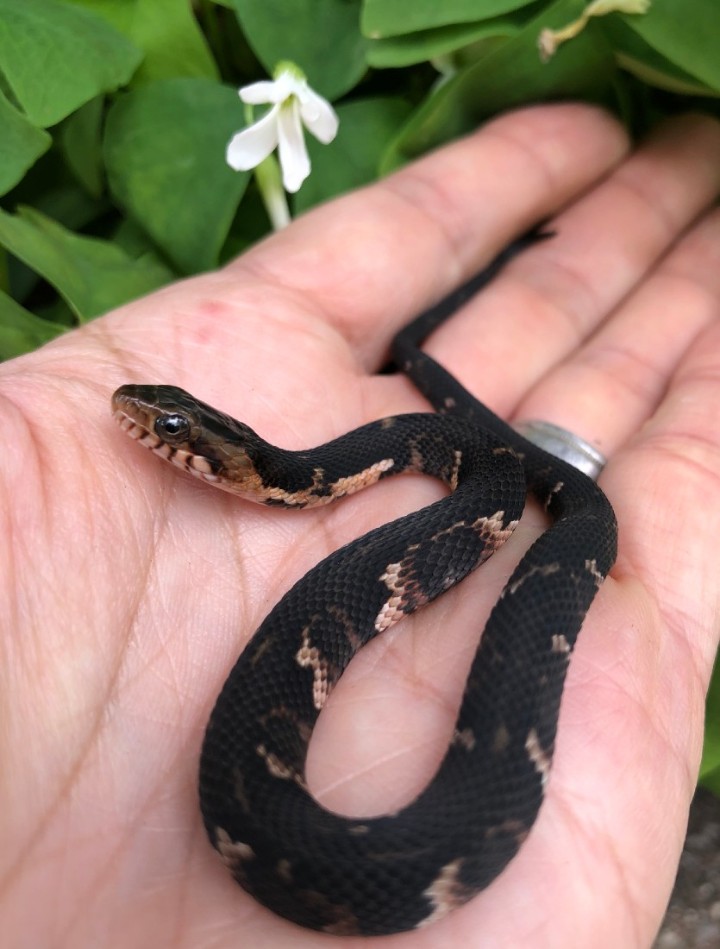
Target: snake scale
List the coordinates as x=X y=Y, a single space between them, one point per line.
x=403 y=870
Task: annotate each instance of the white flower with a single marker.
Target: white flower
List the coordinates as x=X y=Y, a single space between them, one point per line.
x=294 y=104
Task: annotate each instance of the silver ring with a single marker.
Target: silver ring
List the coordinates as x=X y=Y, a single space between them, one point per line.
x=565 y=445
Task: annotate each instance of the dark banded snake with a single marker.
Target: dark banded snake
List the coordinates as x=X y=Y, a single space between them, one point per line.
x=403 y=870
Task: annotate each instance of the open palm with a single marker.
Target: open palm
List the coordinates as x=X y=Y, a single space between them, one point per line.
x=130 y=589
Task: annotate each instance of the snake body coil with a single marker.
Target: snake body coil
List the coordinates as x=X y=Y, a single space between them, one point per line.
x=388 y=874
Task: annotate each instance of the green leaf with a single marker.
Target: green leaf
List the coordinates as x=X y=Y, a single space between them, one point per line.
x=351 y=160
x=21 y=331
x=686 y=34
x=381 y=18
x=167 y=33
x=642 y=59
x=508 y=75
x=79 y=138
x=165 y=155
x=431 y=44
x=56 y=57
x=666 y=77
x=710 y=765
x=60 y=198
x=92 y=275
x=21 y=144
x=321 y=36
x=251 y=224
x=50 y=188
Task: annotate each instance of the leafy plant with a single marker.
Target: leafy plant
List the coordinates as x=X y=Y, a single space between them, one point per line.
x=116 y=115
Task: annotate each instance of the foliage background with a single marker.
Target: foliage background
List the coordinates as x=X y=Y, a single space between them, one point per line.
x=115 y=116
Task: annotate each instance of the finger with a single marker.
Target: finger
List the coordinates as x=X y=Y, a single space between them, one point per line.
x=608 y=389
x=371 y=260
x=646 y=661
x=667 y=482
x=554 y=296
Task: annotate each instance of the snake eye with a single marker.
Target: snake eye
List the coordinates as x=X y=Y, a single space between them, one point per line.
x=172 y=427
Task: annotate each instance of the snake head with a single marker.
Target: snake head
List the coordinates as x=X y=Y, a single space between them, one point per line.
x=191 y=435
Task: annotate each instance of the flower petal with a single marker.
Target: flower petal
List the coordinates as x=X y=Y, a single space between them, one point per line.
x=294 y=159
x=251 y=146
x=260 y=93
x=289 y=84
x=319 y=116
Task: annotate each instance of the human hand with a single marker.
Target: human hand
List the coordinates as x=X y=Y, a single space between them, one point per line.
x=130 y=589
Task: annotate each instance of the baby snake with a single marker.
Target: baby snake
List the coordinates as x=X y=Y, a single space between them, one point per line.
x=404 y=870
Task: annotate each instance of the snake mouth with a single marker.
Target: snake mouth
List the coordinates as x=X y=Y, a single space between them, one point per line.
x=136 y=428
x=137 y=419
x=139 y=430
x=186 y=460
x=133 y=414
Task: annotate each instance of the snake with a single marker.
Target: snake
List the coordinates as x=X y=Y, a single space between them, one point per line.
x=406 y=869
